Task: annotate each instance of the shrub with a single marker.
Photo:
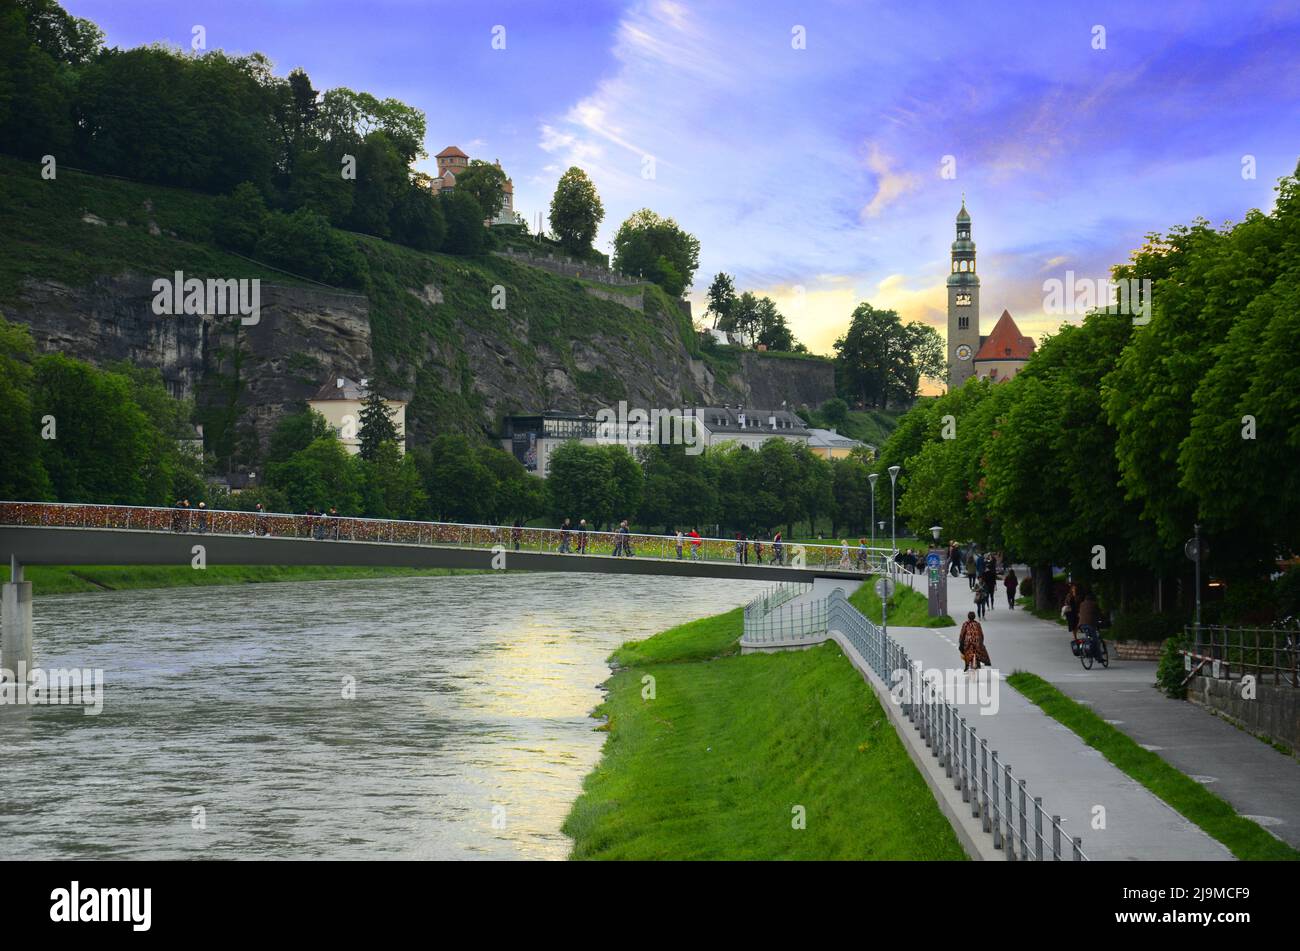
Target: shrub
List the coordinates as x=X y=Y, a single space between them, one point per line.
x=1171 y=673
x=305 y=244
x=1027 y=587
x=243 y=214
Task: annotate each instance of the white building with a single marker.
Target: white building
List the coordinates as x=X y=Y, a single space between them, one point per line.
x=340 y=400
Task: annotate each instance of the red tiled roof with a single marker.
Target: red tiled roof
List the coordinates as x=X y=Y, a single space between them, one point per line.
x=1006 y=342
x=451 y=150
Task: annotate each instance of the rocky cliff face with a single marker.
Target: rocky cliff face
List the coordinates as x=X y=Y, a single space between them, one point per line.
x=465 y=379
x=301 y=337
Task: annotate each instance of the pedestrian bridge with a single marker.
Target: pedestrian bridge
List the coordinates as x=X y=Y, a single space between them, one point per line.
x=41 y=533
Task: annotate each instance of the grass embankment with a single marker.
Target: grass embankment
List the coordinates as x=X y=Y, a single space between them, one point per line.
x=73 y=579
x=714 y=766
x=907 y=608
x=1244 y=838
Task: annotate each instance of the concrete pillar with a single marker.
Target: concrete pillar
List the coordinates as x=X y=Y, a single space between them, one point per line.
x=16 y=622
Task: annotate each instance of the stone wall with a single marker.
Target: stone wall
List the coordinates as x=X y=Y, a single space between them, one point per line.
x=1136 y=650
x=771 y=381
x=1274 y=712
x=568 y=267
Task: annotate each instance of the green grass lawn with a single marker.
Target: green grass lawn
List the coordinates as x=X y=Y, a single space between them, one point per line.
x=1244 y=838
x=907 y=608
x=73 y=579
x=714 y=766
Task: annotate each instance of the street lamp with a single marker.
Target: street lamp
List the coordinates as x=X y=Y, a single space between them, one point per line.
x=872 y=479
x=893 y=524
x=935 y=530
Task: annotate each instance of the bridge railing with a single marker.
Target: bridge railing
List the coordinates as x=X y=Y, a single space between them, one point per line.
x=1018 y=823
x=572 y=541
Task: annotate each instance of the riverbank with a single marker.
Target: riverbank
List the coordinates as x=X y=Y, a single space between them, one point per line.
x=714 y=755
x=76 y=579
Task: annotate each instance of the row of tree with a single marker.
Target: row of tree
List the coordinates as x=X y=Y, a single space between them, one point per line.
x=754 y=318
x=1116 y=439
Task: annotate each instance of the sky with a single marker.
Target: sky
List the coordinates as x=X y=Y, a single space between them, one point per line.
x=820 y=150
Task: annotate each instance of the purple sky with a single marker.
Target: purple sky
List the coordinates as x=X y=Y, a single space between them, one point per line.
x=815 y=175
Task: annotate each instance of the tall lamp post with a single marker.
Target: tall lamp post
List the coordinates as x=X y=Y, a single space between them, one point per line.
x=872 y=479
x=893 y=524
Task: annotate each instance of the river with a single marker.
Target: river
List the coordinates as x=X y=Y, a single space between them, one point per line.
x=228 y=731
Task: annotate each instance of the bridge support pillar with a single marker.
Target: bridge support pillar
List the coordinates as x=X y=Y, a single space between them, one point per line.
x=16 y=624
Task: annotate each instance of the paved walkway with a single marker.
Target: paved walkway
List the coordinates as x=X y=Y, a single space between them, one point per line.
x=1257 y=780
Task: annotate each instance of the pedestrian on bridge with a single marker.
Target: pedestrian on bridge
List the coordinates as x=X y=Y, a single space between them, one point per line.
x=582 y=536
x=517 y=533
x=970 y=642
x=681 y=539
x=778 y=550
x=696 y=542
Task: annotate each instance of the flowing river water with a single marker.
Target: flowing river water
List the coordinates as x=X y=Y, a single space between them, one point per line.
x=227 y=731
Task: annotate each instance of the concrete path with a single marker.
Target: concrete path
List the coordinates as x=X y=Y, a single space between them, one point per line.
x=1258 y=781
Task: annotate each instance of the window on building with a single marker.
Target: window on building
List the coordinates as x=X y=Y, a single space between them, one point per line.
x=963 y=323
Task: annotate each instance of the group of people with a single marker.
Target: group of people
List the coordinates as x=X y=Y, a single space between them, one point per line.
x=982 y=570
x=745 y=546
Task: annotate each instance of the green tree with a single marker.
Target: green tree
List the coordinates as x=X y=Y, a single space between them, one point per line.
x=879 y=359
x=655 y=248
x=417 y=220
x=378 y=424
x=464 y=217
x=576 y=211
x=243 y=215
x=295 y=432
x=721 y=300
x=486 y=182
x=322 y=476
x=22 y=473
x=459 y=487
x=580 y=483
x=391 y=485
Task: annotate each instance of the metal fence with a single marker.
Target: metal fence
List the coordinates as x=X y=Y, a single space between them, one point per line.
x=571 y=541
x=1229 y=653
x=1018 y=823
x=790 y=622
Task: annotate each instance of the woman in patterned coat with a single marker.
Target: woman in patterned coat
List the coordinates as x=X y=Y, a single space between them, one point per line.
x=971 y=644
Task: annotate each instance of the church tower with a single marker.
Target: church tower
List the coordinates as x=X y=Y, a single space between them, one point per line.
x=963 y=305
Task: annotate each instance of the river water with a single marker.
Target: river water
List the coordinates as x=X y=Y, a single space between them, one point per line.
x=226 y=731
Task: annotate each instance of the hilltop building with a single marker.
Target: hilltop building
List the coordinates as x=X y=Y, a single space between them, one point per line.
x=997 y=356
x=453 y=162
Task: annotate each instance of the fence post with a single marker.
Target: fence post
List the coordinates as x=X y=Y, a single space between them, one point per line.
x=974 y=773
x=1038 y=828
x=984 y=785
x=959 y=781
x=1056 y=838
x=996 y=819
x=1008 y=831
x=1078 y=848
x=1024 y=819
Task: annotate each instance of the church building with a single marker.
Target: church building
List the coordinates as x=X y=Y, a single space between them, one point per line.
x=1001 y=354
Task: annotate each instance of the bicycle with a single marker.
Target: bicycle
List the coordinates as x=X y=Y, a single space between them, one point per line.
x=1089 y=647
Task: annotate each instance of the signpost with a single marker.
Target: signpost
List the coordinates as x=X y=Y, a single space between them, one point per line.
x=938 y=583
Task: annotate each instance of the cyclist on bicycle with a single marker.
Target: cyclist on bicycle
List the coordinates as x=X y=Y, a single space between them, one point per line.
x=1089 y=615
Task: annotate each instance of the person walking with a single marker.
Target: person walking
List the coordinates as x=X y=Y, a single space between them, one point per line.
x=971 y=565
x=582 y=536
x=954 y=559
x=758 y=551
x=681 y=539
x=1070 y=610
x=778 y=550
x=970 y=642
x=844 y=554
x=981 y=598
x=991 y=581
x=626 y=535
x=516 y=533
x=1010 y=583
x=696 y=541
x=565 y=531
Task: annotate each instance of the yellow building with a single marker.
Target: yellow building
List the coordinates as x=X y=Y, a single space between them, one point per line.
x=339 y=400
x=829 y=444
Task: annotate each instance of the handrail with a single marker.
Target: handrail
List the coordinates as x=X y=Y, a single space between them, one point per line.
x=571 y=541
x=1000 y=800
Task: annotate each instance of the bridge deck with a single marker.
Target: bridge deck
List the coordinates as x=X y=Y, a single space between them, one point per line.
x=56 y=545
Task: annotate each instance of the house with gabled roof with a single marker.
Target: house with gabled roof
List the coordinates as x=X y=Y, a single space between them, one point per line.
x=1004 y=352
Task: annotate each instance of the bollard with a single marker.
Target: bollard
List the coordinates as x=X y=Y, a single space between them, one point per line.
x=1038 y=828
